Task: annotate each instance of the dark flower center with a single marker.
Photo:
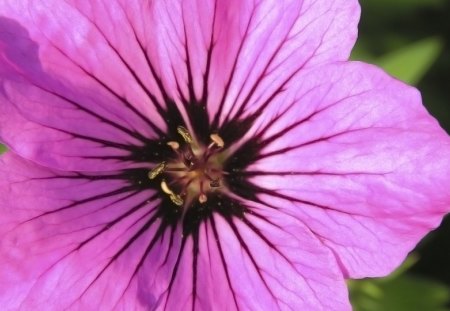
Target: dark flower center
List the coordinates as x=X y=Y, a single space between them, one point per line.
x=195 y=170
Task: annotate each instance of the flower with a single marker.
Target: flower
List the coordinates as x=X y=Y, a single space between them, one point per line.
x=204 y=155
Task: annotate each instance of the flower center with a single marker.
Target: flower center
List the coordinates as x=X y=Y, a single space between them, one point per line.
x=194 y=172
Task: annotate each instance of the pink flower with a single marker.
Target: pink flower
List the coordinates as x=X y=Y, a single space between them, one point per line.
x=204 y=155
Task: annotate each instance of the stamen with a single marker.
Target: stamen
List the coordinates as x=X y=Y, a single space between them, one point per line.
x=166 y=188
x=202 y=198
x=185 y=134
x=175 y=198
x=217 y=140
x=157 y=170
x=174 y=145
x=195 y=171
x=201 y=187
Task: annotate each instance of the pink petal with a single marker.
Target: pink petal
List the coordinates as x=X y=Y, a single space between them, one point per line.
x=74 y=61
x=67 y=250
x=260 y=255
x=58 y=63
x=226 y=53
x=351 y=171
x=60 y=231
x=353 y=154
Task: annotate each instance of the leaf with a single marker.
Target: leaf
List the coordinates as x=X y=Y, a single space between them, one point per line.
x=399 y=292
x=406 y=293
x=403 y=4
x=362 y=53
x=412 y=62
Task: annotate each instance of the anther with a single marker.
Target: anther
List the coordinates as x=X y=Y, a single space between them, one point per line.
x=157 y=170
x=185 y=134
x=215 y=183
x=174 y=145
x=166 y=188
x=202 y=198
x=217 y=140
x=176 y=199
x=194 y=172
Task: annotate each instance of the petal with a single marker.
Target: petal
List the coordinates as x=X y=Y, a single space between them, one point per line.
x=74 y=87
x=125 y=83
x=222 y=54
x=354 y=155
x=273 y=258
x=65 y=249
x=66 y=237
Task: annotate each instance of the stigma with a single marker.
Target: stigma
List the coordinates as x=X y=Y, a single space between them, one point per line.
x=194 y=172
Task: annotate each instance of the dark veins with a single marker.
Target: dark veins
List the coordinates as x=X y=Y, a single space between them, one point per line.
x=154 y=151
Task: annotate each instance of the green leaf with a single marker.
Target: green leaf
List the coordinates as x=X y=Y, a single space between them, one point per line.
x=399 y=292
x=403 y=4
x=406 y=293
x=361 y=52
x=2 y=148
x=412 y=62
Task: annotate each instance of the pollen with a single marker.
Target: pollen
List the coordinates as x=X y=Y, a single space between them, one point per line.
x=176 y=199
x=194 y=173
x=157 y=170
x=185 y=134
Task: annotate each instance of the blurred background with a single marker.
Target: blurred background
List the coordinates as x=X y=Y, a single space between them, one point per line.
x=411 y=40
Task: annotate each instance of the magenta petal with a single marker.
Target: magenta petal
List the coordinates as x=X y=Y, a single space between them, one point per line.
x=264 y=255
x=68 y=247
x=162 y=51
x=204 y=155
x=61 y=239
x=51 y=71
x=228 y=52
x=354 y=155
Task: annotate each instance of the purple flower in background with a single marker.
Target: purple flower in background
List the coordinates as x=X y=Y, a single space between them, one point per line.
x=204 y=155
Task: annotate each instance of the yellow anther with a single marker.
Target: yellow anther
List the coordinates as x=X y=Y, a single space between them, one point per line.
x=174 y=145
x=157 y=170
x=176 y=199
x=217 y=140
x=185 y=134
x=165 y=188
x=202 y=198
